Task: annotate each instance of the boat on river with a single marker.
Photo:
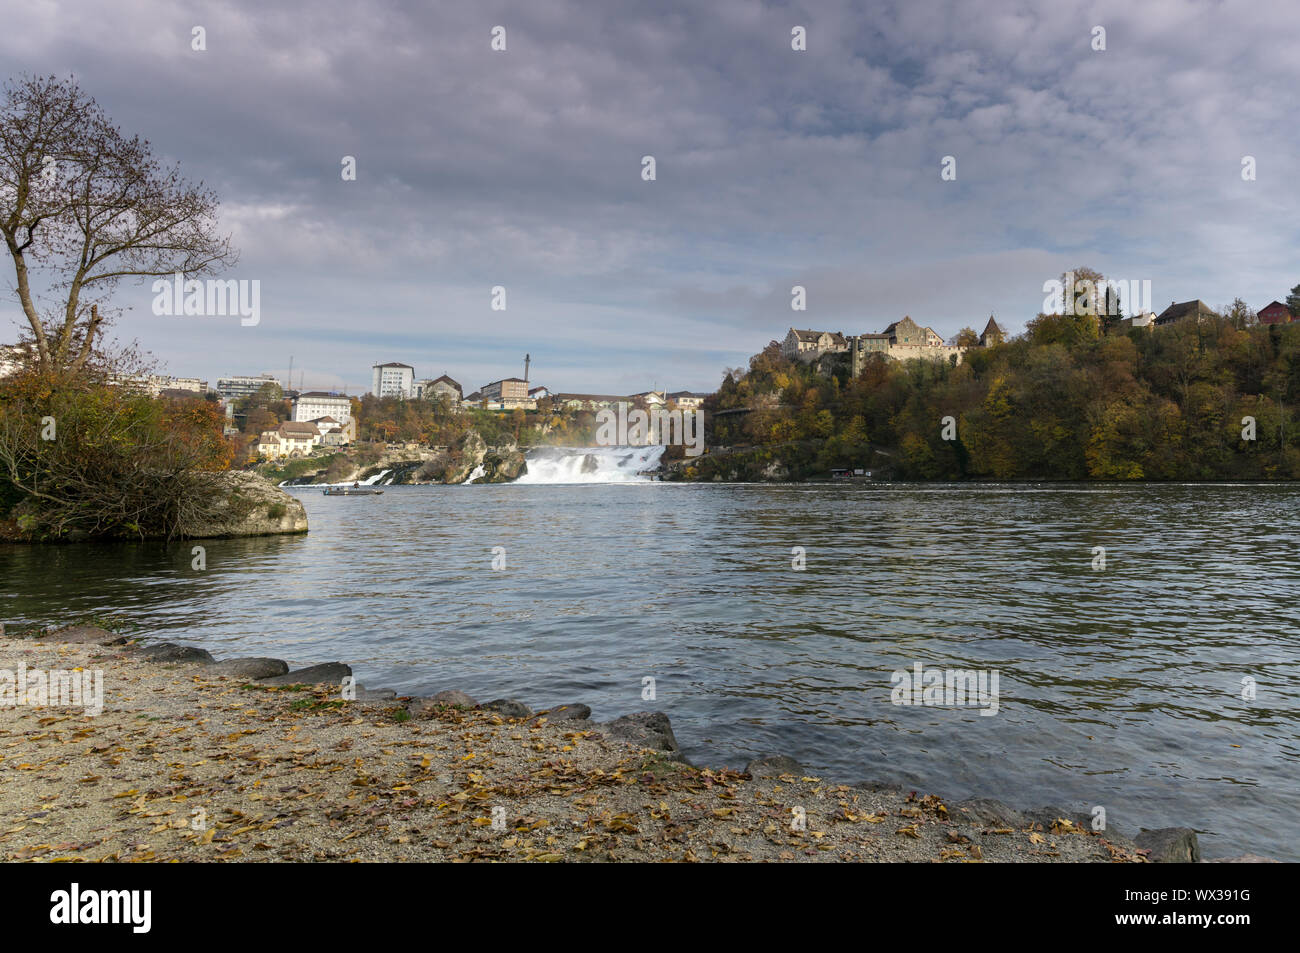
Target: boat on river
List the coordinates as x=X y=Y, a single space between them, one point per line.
x=352 y=491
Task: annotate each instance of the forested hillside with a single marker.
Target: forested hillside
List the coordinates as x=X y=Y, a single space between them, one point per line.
x=1061 y=402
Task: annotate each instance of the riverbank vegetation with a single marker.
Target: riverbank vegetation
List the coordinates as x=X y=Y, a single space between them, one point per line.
x=1063 y=401
x=81 y=457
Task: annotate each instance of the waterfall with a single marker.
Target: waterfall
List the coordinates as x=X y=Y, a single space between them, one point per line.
x=590 y=464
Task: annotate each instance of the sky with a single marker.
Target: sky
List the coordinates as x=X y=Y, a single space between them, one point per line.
x=774 y=167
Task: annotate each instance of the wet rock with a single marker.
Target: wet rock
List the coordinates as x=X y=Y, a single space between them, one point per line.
x=646 y=729
x=451 y=698
x=1242 y=859
x=171 y=652
x=329 y=673
x=373 y=695
x=575 y=712
x=1170 y=845
x=249 y=668
x=773 y=766
x=503 y=468
x=508 y=708
x=989 y=813
x=82 y=634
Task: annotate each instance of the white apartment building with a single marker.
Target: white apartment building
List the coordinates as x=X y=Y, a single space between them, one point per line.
x=315 y=404
x=233 y=388
x=392 y=380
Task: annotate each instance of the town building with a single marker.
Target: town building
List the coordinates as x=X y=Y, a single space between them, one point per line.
x=507 y=394
x=537 y=393
x=289 y=440
x=1275 y=313
x=1147 y=320
x=12 y=358
x=992 y=334
x=314 y=404
x=189 y=384
x=588 y=401
x=809 y=345
x=233 y=388
x=442 y=386
x=392 y=380
x=686 y=400
x=346 y=430
x=1178 y=312
x=906 y=340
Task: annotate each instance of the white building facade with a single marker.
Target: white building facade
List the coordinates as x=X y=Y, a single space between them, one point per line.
x=315 y=404
x=392 y=380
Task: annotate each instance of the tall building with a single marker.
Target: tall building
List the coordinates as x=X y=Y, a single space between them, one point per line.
x=233 y=388
x=392 y=380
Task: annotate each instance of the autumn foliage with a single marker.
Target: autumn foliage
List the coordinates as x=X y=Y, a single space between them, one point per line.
x=80 y=457
x=1162 y=404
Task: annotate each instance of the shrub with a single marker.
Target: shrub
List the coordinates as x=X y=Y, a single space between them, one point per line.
x=81 y=457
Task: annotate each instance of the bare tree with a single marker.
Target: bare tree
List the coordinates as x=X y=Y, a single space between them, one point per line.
x=1239 y=314
x=81 y=201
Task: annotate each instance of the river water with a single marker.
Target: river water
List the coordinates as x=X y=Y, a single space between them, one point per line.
x=1119 y=687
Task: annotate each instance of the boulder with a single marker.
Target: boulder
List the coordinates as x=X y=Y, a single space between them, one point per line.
x=82 y=634
x=171 y=652
x=452 y=698
x=502 y=468
x=508 y=708
x=374 y=695
x=1047 y=816
x=645 y=729
x=574 y=712
x=251 y=506
x=773 y=766
x=987 y=812
x=329 y=673
x=249 y=668
x=1170 y=845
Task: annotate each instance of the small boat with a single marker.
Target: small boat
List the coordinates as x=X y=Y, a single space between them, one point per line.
x=352 y=491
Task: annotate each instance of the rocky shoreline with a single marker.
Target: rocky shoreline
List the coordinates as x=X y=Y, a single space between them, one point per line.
x=282 y=764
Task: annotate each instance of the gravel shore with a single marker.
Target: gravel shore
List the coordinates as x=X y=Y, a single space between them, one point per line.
x=183 y=764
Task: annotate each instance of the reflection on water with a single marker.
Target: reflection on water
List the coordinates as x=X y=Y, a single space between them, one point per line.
x=1119 y=687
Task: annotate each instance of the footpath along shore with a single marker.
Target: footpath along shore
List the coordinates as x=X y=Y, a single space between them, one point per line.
x=196 y=760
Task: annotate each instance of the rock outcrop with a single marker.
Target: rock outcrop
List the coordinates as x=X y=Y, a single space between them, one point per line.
x=503 y=467
x=465 y=457
x=251 y=506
